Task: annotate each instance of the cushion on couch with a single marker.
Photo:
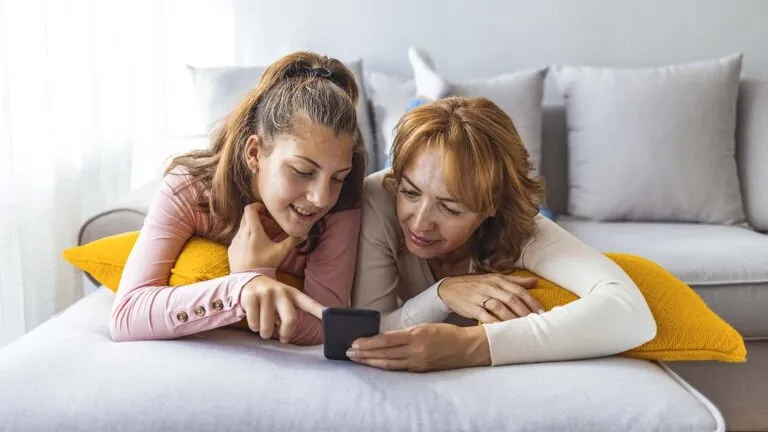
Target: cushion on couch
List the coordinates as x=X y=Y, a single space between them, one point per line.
x=518 y=94
x=654 y=143
x=389 y=97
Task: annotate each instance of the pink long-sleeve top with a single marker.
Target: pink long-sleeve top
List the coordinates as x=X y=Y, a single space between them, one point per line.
x=145 y=307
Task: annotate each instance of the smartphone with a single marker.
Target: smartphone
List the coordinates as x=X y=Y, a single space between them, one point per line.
x=342 y=326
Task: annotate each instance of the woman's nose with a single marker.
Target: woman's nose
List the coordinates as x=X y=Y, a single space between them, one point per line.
x=423 y=218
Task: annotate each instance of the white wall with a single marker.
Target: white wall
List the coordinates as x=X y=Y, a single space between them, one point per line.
x=484 y=37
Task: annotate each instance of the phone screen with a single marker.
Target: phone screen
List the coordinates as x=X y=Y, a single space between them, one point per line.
x=342 y=326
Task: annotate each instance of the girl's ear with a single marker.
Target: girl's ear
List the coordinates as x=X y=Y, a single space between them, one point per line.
x=252 y=151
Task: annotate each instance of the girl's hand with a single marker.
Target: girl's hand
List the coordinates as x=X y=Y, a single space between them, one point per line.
x=269 y=303
x=251 y=248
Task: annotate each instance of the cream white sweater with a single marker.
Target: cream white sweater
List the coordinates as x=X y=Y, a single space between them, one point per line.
x=611 y=315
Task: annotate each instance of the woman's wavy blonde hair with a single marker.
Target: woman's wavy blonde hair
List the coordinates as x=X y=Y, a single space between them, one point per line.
x=486 y=168
x=302 y=83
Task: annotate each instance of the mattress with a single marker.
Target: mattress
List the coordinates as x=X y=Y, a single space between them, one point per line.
x=68 y=375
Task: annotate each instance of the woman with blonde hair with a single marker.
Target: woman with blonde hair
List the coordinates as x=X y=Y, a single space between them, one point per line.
x=458 y=210
x=281 y=185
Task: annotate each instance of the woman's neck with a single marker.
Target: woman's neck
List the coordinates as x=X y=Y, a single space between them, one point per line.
x=454 y=263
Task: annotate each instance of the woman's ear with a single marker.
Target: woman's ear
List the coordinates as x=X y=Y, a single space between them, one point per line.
x=252 y=150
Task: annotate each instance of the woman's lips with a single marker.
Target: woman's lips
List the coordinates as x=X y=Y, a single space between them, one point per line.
x=420 y=241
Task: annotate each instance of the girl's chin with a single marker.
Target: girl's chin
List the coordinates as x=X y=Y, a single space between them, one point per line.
x=294 y=228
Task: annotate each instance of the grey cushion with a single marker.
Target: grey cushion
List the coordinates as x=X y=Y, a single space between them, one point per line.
x=752 y=150
x=389 y=96
x=220 y=89
x=726 y=265
x=519 y=95
x=653 y=144
x=68 y=375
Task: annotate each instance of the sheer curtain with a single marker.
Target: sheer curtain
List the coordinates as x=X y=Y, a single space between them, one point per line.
x=94 y=97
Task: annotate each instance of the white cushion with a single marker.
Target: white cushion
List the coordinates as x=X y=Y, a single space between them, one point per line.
x=220 y=89
x=68 y=375
x=655 y=143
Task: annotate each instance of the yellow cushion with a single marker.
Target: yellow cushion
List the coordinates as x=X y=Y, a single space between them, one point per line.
x=687 y=328
x=200 y=259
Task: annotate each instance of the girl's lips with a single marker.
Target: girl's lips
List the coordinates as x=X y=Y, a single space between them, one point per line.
x=302 y=217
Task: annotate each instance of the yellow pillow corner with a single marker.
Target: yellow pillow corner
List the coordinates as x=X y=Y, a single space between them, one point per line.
x=104 y=258
x=687 y=329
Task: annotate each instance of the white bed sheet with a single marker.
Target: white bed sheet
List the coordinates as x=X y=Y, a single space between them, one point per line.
x=67 y=375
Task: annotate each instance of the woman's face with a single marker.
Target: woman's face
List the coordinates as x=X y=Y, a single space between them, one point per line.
x=433 y=222
x=300 y=180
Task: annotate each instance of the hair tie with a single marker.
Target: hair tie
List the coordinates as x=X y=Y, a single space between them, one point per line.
x=316 y=72
x=320 y=72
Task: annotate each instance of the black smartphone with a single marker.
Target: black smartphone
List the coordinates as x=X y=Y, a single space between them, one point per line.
x=342 y=326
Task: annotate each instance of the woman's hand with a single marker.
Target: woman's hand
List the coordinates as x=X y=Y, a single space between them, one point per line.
x=490 y=297
x=263 y=296
x=251 y=248
x=425 y=347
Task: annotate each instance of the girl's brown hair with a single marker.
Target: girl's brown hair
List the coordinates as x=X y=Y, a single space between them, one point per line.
x=302 y=83
x=486 y=168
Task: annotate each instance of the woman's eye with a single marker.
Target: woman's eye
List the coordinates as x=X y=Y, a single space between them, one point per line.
x=302 y=174
x=408 y=193
x=451 y=212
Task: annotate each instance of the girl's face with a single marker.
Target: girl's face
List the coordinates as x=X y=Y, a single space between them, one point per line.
x=433 y=222
x=300 y=179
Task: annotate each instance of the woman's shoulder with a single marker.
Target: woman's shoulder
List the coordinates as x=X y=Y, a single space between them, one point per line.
x=379 y=210
x=376 y=196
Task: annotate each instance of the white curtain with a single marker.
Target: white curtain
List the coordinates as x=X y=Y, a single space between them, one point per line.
x=94 y=97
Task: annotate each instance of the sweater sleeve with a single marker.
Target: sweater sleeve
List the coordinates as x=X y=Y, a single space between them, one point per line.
x=611 y=316
x=145 y=307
